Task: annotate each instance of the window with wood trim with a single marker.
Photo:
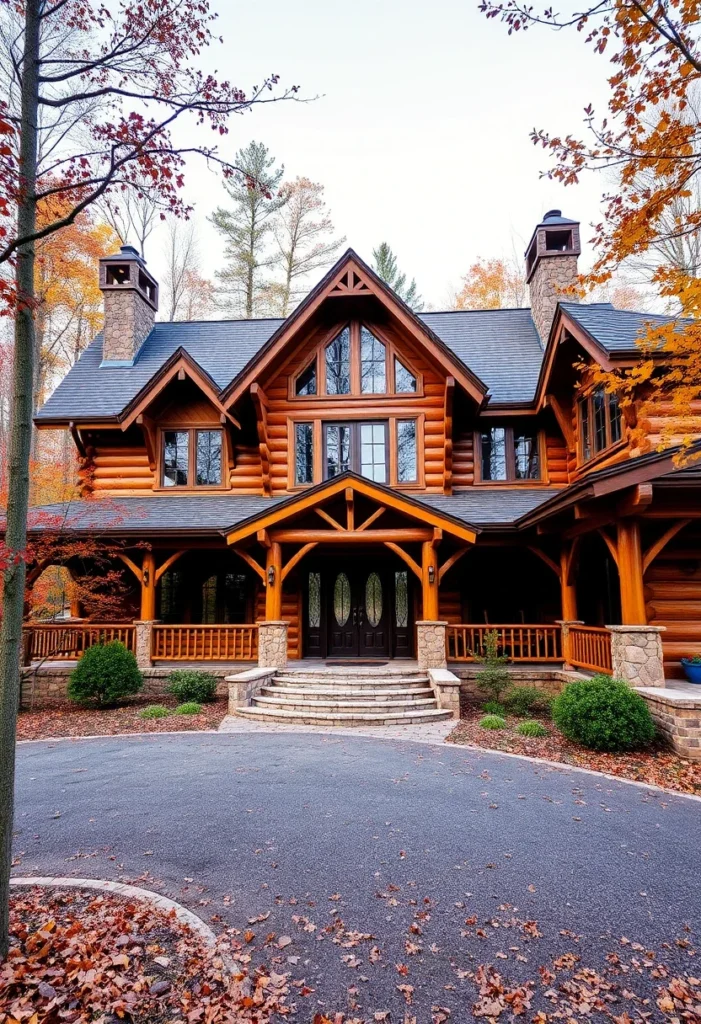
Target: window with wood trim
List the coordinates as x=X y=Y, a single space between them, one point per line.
x=361 y=447
x=304 y=453
x=509 y=454
x=192 y=457
x=356 y=360
x=599 y=418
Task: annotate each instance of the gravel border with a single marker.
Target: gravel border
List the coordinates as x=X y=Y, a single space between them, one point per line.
x=559 y=765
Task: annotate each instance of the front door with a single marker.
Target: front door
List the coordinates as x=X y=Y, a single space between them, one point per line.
x=358 y=613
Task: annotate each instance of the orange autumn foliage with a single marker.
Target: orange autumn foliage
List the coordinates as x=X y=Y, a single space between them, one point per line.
x=491 y=284
x=650 y=139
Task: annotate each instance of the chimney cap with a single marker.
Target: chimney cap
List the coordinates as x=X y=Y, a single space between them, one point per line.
x=555 y=217
x=126 y=252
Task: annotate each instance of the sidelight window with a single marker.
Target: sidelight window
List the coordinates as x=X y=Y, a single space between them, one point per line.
x=304 y=453
x=407 y=463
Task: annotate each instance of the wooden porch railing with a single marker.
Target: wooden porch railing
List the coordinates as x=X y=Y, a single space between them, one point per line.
x=47 y=640
x=519 y=642
x=590 y=648
x=205 y=643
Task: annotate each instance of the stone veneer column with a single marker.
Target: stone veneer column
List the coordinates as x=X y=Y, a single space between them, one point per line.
x=565 y=625
x=142 y=637
x=636 y=654
x=272 y=644
x=430 y=644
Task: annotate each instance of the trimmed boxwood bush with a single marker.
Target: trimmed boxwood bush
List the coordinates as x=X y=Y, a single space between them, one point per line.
x=524 y=700
x=189 y=684
x=105 y=674
x=492 y=722
x=603 y=714
x=493 y=707
x=154 y=711
x=531 y=728
x=190 y=708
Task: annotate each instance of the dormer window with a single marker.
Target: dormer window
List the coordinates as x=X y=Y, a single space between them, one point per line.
x=192 y=458
x=338 y=372
x=509 y=454
x=599 y=423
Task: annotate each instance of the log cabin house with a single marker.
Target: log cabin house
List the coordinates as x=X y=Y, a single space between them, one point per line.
x=357 y=469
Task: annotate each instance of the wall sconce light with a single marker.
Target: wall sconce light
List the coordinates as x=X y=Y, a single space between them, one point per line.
x=271 y=575
x=431 y=574
x=145 y=577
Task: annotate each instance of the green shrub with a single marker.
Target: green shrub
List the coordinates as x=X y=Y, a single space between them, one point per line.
x=105 y=674
x=524 y=700
x=603 y=714
x=531 y=728
x=188 y=684
x=154 y=711
x=189 y=708
x=492 y=722
x=493 y=707
x=494 y=677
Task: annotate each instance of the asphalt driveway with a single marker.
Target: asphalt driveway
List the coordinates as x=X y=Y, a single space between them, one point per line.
x=396 y=869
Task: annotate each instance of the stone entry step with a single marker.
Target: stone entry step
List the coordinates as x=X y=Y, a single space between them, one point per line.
x=343 y=695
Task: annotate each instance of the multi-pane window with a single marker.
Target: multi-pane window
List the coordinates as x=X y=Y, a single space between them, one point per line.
x=373 y=451
x=192 y=458
x=373 y=364
x=510 y=454
x=407 y=469
x=306 y=382
x=304 y=453
x=338 y=377
x=404 y=380
x=599 y=423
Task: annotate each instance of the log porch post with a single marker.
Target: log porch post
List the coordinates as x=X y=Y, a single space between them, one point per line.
x=429 y=580
x=630 y=573
x=568 y=591
x=273 y=582
x=148 y=587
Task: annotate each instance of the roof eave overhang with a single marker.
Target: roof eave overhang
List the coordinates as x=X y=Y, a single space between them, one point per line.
x=384 y=495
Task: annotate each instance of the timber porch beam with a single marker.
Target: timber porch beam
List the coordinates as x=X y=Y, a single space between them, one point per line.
x=351 y=536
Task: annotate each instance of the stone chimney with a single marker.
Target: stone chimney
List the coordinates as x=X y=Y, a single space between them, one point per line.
x=131 y=303
x=551 y=267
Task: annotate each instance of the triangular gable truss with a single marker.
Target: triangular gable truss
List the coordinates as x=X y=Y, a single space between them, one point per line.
x=352 y=277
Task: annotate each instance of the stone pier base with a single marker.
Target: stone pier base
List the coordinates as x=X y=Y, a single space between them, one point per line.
x=272 y=644
x=142 y=641
x=636 y=654
x=430 y=644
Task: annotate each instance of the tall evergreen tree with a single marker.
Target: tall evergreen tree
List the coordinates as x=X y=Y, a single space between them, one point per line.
x=386 y=268
x=246 y=227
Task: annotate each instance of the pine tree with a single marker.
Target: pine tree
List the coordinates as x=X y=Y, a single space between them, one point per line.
x=386 y=268
x=246 y=227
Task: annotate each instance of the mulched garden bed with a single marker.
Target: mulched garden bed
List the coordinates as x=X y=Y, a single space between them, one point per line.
x=79 y=956
x=657 y=765
x=72 y=720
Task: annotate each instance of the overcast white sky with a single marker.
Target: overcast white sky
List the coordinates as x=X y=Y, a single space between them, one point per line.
x=420 y=134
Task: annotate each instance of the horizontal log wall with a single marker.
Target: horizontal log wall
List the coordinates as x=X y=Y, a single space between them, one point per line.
x=663 y=423
x=673 y=598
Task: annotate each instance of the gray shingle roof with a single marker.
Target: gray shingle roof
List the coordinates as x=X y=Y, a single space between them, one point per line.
x=501 y=346
x=211 y=513
x=616 y=330
x=490 y=507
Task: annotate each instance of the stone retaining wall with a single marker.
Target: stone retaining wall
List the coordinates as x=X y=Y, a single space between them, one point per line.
x=678 y=718
x=48 y=686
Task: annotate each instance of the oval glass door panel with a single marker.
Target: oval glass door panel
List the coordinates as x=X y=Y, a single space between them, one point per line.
x=341 y=599
x=373 y=599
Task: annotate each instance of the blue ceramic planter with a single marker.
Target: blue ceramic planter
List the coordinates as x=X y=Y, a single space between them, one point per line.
x=692 y=672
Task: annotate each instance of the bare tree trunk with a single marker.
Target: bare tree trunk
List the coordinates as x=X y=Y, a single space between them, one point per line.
x=18 y=458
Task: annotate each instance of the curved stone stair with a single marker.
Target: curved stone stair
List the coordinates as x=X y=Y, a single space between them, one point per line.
x=346 y=696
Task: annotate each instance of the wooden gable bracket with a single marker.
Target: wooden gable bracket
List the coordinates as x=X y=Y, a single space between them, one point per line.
x=350 y=283
x=260 y=404
x=162 y=569
x=557 y=569
x=372 y=518
x=450 y=562
x=149 y=431
x=563 y=415
x=350 y=509
x=414 y=566
x=329 y=519
x=611 y=544
x=448 y=431
x=250 y=560
x=636 y=501
x=653 y=551
x=297 y=557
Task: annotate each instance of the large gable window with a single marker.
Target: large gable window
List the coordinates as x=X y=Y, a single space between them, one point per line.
x=404 y=380
x=373 y=364
x=508 y=453
x=192 y=458
x=338 y=373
